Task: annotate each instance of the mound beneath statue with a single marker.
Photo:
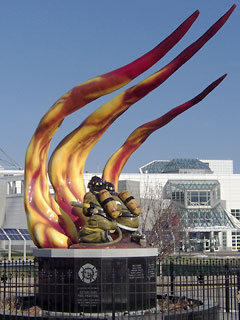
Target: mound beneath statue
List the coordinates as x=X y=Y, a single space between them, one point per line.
x=126 y=242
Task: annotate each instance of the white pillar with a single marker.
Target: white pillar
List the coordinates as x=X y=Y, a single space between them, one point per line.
x=9 y=249
x=24 y=250
x=229 y=239
x=220 y=238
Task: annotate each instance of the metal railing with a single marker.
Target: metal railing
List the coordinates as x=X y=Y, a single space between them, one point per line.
x=186 y=289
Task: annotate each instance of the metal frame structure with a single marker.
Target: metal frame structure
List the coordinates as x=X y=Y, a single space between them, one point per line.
x=11 y=234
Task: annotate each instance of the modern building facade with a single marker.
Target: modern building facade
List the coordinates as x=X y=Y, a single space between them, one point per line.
x=205 y=194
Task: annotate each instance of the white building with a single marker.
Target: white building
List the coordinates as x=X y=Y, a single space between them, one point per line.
x=206 y=194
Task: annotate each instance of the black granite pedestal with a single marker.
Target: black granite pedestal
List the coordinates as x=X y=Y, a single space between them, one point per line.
x=96 y=280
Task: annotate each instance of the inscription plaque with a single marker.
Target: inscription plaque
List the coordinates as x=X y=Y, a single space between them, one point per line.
x=97 y=285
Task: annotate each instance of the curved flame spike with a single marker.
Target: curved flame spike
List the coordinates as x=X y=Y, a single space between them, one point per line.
x=66 y=165
x=118 y=160
x=36 y=183
x=40 y=212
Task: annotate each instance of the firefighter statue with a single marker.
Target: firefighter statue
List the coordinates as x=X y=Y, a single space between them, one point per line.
x=102 y=212
x=129 y=212
x=109 y=214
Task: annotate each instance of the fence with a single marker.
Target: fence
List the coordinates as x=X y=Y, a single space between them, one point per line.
x=186 y=289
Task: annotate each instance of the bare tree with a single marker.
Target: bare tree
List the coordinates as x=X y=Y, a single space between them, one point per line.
x=159 y=220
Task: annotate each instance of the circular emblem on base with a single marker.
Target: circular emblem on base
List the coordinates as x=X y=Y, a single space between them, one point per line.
x=88 y=273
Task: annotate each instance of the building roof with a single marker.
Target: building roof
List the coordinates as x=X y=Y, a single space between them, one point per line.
x=176 y=166
x=155 y=166
x=194 y=184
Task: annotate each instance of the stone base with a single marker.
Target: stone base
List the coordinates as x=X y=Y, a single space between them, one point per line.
x=94 y=280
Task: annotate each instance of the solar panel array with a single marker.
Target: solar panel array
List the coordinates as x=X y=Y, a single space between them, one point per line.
x=25 y=234
x=14 y=234
x=3 y=235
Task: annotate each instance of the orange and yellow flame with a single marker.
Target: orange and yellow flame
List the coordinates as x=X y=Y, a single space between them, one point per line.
x=117 y=161
x=52 y=222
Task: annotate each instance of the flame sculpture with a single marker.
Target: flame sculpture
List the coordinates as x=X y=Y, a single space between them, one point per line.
x=53 y=222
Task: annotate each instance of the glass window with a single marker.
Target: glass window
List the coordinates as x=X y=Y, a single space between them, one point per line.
x=178 y=196
x=203 y=198
x=194 y=197
x=216 y=194
x=236 y=213
x=236 y=240
x=11 y=187
x=198 y=198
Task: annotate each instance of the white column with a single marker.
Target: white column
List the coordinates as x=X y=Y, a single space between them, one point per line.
x=220 y=235
x=229 y=239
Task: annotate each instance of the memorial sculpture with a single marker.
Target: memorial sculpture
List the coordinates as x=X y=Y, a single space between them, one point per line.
x=60 y=221
x=109 y=213
x=102 y=221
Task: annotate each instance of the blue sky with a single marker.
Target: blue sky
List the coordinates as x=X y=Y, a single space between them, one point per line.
x=49 y=46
